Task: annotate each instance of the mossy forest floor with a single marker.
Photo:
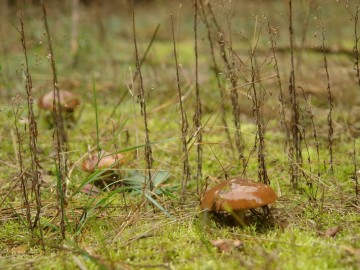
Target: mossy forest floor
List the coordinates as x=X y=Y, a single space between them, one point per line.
x=316 y=226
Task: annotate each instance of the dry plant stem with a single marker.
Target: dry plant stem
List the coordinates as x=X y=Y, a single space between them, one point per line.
x=233 y=95
x=303 y=34
x=257 y=103
x=136 y=74
x=356 y=44
x=309 y=183
x=184 y=122
x=330 y=101
x=141 y=97
x=35 y=168
x=135 y=114
x=59 y=133
x=21 y=176
x=355 y=173
x=216 y=70
x=311 y=115
x=272 y=33
x=357 y=69
x=147 y=49
x=198 y=112
x=295 y=147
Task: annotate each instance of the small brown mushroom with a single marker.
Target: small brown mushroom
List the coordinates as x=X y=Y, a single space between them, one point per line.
x=106 y=161
x=236 y=195
x=103 y=161
x=68 y=103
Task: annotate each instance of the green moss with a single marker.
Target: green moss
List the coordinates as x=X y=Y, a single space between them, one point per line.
x=121 y=231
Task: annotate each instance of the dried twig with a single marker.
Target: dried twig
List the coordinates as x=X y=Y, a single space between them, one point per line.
x=141 y=98
x=35 y=168
x=295 y=147
x=330 y=99
x=216 y=70
x=59 y=133
x=184 y=122
x=198 y=111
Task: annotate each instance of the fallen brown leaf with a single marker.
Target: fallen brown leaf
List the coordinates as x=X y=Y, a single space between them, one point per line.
x=19 y=249
x=331 y=232
x=227 y=245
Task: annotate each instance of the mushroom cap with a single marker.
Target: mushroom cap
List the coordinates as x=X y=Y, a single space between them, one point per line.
x=68 y=101
x=237 y=194
x=106 y=160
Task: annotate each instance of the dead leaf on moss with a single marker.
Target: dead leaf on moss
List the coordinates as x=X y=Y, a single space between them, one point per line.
x=227 y=245
x=19 y=249
x=331 y=232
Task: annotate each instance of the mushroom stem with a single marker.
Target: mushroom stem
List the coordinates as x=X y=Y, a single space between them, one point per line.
x=239 y=216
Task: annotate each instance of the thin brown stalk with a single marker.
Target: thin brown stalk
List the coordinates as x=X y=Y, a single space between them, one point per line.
x=330 y=100
x=141 y=63
x=20 y=149
x=356 y=44
x=35 y=168
x=233 y=95
x=272 y=34
x=295 y=147
x=141 y=97
x=311 y=116
x=60 y=135
x=184 y=122
x=257 y=104
x=198 y=111
x=356 y=179
x=216 y=70
x=304 y=32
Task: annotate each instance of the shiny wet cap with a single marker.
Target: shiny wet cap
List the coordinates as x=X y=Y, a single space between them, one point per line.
x=237 y=194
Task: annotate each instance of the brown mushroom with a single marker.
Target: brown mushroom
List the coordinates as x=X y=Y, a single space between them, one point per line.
x=103 y=161
x=68 y=103
x=236 y=195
